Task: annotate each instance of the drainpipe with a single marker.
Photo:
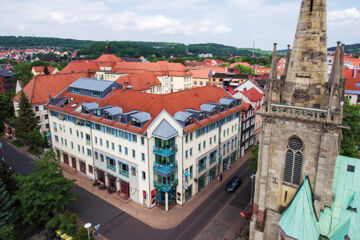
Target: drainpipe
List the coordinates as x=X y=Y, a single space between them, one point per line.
x=93 y=153
x=182 y=170
x=147 y=140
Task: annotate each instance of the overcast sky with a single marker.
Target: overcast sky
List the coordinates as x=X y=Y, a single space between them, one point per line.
x=231 y=22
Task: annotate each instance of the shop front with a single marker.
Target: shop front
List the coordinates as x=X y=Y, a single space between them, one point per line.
x=201 y=182
x=188 y=193
x=212 y=174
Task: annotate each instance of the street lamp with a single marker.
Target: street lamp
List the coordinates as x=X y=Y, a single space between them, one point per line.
x=252 y=188
x=88 y=226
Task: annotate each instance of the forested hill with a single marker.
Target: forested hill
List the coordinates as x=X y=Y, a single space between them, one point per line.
x=42 y=42
x=352 y=48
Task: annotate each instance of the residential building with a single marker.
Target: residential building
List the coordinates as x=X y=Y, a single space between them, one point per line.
x=352 y=84
x=143 y=82
x=151 y=148
x=230 y=79
x=40 y=70
x=41 y=89
x=261 y=70
x=248 y=137
x=301 y=133
x=5 y=80
x=82 y=66
x=173 y=76
x=201 y=75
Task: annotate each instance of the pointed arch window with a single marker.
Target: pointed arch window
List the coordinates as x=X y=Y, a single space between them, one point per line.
x=293 y=161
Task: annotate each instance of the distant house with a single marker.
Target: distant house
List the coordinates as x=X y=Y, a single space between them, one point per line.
x=39 y=91
x=141 y=82
x=201 y=75
x=5 y=80
x=261 y=70
x=40 y=70
x=230 y=79
x=82 y=66
x=352 y=85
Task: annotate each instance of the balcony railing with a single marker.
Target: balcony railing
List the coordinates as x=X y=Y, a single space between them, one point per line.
x=111 y=167
x=165 y=187
x=165 y=168
x=212 y=160
x=302 y=113
x=124 y=173
x=202 y=167
x=166 y=152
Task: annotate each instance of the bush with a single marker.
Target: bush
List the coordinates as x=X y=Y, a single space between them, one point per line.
x=34 y=150
x=17 y=143
x=66 y=223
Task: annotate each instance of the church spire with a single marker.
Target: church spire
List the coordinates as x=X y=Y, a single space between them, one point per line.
x=307 y=71
x=287 y=61
x=272 y=94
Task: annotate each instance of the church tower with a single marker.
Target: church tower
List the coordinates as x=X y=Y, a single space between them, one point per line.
x=302 y=117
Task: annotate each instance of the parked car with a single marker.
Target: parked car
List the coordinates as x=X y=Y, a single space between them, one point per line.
x=233 y=184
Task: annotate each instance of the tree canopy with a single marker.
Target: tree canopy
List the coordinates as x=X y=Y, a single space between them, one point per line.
x=254 y=159
x=351 y=137
x=244 y=69
x=44 y=192
x=26 y=121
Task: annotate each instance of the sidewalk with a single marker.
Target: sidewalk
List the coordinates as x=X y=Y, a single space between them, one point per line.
x=156 y=217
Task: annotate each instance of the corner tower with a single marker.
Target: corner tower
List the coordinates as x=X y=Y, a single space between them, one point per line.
x=301 y=133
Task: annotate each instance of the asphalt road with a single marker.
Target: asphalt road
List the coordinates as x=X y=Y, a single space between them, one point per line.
x=116 y=224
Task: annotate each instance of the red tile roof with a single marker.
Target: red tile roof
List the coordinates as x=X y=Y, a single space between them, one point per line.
x=161 y=68
x=41 y=69
x=203 y=72
x=139 y=81
x=151 y=103
x=39 y=88
x=351 y=83
x=253 y=94
x=82 y=66
x=108 y=58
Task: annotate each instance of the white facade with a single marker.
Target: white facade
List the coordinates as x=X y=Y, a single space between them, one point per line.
x=41 y=114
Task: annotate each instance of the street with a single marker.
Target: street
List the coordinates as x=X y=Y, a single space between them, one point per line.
x=116 y=224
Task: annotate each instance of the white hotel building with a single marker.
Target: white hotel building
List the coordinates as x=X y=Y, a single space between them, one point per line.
x=154 y=149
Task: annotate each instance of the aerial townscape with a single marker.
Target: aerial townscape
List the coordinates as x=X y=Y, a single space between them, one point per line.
x=155 y=139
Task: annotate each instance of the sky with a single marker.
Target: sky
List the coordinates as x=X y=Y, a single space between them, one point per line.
x=231 y=22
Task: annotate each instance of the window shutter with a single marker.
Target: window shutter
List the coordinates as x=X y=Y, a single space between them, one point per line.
x=288 y=166
x=297 y=168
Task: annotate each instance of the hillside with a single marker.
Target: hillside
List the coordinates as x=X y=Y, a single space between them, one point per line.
x=42 y=42
x=352 y=48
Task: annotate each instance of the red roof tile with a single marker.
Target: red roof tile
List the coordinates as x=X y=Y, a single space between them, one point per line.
x=108 y=58
x=39 y=88
x=139 y=81
x=161 y=68
x=82 y=66
x=253 y=94
x=153 y=104
x=351 y=83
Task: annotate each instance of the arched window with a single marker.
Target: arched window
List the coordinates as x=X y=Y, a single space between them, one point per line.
x=293 y=161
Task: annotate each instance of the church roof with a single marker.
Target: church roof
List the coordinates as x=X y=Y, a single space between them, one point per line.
x=299 y=219
x=343 y=218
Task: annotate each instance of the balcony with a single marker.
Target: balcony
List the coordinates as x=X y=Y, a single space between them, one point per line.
x=212 y=160
x=124 y=173
x=202 y=167
x=111 y=167
x=165 y=168
x=165 y=187
x=166 y=152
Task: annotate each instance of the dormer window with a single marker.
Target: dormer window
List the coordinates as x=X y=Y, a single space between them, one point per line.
x=222 y=108
x=74 y=90
x=122 y=119
x=189 y=121
x=202 y=116
x=135 y=122
x=213 y=112
x=95 y=93
x=108 y=116
x=97 y=113
x=84 y=110
x=231 y=105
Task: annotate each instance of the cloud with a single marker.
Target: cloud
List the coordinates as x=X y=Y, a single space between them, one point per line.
x=344 y=15
x=92 y=15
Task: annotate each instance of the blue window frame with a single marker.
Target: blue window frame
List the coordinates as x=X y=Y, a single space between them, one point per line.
x=123 y=169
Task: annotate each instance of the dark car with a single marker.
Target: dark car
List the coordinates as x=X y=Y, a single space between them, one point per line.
x=233 y=184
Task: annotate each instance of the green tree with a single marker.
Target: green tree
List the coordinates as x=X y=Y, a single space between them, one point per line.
x=82 y=234
x=35 y=138
x=7 y=207
x=254 y=159
x=8 y=232
x=244 y=69
x=226 y=64
x=351 y=137
x=22 y=72
x=26 y=121
x=44 y=192
x=8 y=178
x=6 y=108
x=66 y=223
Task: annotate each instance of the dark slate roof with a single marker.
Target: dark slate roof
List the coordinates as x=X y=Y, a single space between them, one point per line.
x=142 y=116
x=91 y=105
x=182 y=116
x=114 y=110
x=164 y=130
x=92 y=84
x=207 y=107
x=129 y=59
x=232 y=76
x=6 y=73
x=226 y=101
